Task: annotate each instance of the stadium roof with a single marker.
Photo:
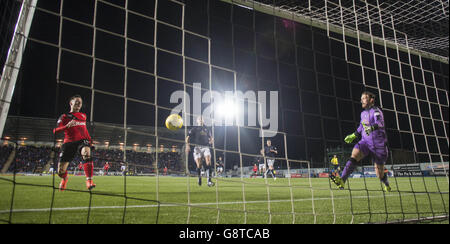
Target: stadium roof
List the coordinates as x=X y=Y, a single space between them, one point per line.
x=421 y=25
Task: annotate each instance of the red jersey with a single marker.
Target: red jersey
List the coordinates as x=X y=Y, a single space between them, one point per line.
x=255 y=168
x=75 y=133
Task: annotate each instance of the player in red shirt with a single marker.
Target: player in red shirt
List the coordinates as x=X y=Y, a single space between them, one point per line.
x=255 y=170
x=106 y=168
x=76 y=140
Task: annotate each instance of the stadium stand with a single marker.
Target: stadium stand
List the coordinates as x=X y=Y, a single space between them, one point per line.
x=34 y=159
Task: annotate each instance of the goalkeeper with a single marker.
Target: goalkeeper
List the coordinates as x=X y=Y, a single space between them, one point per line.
x=372 y=141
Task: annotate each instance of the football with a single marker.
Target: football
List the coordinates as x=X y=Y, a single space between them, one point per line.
x=174 y=122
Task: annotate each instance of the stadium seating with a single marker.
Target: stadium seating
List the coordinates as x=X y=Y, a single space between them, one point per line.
x=32 y=159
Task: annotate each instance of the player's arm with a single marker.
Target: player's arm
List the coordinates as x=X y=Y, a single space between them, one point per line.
x=61 y=126
x=188 y=138
x=378 y=119
x=360 y=128
x=274 y=150
x=59 y=129
x=378 y=122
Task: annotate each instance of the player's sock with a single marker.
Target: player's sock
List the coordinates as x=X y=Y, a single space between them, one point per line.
x=208 y=172
x=385 y=180
x=88 y=169
x=349 y=167
x=64 y=176
x=199 y=172
x=64 y=179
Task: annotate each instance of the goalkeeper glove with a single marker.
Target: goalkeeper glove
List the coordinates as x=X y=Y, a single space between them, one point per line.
x=368 y=129
x=350 y=138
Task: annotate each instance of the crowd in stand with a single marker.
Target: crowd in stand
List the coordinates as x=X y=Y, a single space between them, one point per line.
x=31 y=159
x=5 y=151
x=27 y=158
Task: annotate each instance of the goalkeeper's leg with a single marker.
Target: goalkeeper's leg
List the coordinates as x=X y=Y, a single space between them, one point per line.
x=379 y=169
x=357 y=155
x=380 y=156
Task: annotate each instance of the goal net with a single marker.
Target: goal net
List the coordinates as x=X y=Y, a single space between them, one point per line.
x=278 y=84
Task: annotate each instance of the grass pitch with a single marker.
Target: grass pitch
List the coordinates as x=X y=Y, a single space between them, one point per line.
x=179 y=200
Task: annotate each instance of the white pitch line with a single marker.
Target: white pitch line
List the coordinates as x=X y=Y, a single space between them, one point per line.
x=186 y=205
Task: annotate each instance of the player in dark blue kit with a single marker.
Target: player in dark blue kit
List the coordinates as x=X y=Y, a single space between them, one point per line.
x=269 y=152
x=220 y=166
x=201 y=137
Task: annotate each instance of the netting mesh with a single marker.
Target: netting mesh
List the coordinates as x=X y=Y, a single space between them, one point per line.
x=424 y=23
x=134 y=62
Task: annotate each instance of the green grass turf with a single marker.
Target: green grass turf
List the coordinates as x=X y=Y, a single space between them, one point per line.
x=164 y=200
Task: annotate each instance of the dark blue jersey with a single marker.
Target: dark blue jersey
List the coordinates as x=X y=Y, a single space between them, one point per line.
x=267 y=151
x=199 y=135
x=219 y=163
